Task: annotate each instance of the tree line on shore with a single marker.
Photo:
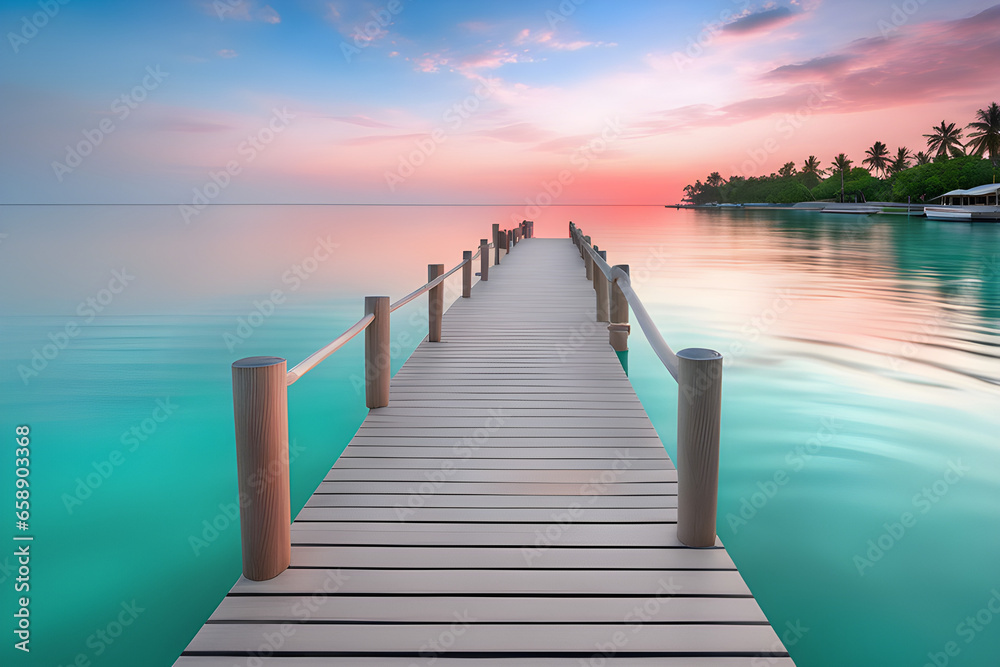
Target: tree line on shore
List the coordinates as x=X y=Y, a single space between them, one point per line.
x=947 y=164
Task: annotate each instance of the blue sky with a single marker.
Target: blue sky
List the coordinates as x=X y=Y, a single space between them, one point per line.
x=557 y=75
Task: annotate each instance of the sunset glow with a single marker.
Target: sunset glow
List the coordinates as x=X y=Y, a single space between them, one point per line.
x=581 y=102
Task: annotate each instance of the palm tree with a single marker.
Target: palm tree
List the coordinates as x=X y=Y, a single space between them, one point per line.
x=878 y=157
x=715 y=180
x=841 y=163
x=811 y=166
x=922 y=158
x=902 y=160
x=945 y=139
x=788 y=169
x=985 y=137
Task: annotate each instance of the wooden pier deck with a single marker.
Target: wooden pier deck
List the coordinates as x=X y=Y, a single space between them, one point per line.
x=512 y=506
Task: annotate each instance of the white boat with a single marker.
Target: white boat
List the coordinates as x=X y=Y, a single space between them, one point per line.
x=974 y=205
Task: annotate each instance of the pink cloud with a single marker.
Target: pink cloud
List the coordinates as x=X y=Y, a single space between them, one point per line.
x=937 y=60
x=363 y=121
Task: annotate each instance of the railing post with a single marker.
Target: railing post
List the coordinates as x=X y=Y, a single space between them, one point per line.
x=496 y=242
x=508 y=237
x=435 y=304
x=260 y=408
x=377 y=359
x=467 y=274
x=601 y=287
x=618 y=329
x=484 y=260
x=594 y=269
x=588 y=264
x=699 y=410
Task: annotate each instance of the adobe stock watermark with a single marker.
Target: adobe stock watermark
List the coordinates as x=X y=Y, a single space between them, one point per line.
x=31 y=25
x=923 y=502
x=581 y=160
x=967 y=630
x=105 y=636
x=596 y=487
x=364 y=36
x=211 y=529
x=760 y=324
x=454 y=117
x=901 y=14
x=131 y=440
x=121 y=108
x=294 y=277
x=462 y=449
x=87 y=310
x=785 y=127
x=403 y=338
x=432 y=649
x=305 y=610
x=696 y=44
x=562 y=12
x=795 y=460
x=908 y=350
x=791 y=634
x=636 y=618
x=248 y=149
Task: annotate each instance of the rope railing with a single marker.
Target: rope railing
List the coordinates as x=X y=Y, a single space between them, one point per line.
x=260 y=404
x=698 y=373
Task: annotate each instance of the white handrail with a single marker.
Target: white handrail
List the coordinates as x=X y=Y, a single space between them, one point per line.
x=653 y=335
x=316 y=357
x=313 y=359
x=426 y=288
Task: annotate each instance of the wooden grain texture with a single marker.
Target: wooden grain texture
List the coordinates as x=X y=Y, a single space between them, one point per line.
x=618 y=314
x=467 y=274
x=260 y=400
x=435 y=304
x=377 y=345
x=699 y=405
x=513 y=489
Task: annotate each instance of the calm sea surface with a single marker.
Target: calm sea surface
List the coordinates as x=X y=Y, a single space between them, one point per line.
x=860 y=475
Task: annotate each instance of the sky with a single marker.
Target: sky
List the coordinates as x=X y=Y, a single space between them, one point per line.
x=422 y=101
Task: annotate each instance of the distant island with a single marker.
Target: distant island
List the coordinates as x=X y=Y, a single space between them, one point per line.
x=947 y=164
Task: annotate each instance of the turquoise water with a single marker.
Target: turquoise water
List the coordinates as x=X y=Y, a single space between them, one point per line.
x=860 y=394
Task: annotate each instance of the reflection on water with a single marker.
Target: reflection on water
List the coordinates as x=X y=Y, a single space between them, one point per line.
x=860 y=463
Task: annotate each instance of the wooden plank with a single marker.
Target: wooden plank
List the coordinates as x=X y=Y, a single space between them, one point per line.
x=456 y=462
x=487 y=535
x=470 y=558
x=586 y=476
x=488 y=639
x=518 y=501
x=601 y=659
x=405 y=512
x=499 y=488
x=487 y=610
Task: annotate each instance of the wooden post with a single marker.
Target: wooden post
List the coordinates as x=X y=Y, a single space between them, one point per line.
x=484 y=259
x=618 y=329
x=588 y=264
x=699 y=411
x=496 y=242
x=435 y=304
x=601 y=287
x=260 y=408
x=467 y=274
x=509 y=240
x=377 y=359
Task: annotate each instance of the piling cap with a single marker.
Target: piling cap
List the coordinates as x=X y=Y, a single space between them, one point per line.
x=258 y=362
x=699 y=354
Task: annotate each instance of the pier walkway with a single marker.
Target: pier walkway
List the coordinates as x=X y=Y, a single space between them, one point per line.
x=512 y=505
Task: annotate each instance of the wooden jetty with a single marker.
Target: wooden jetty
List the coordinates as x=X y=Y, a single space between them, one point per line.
x=510 y=504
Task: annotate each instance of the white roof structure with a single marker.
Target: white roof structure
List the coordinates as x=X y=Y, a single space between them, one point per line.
x=980 y=191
